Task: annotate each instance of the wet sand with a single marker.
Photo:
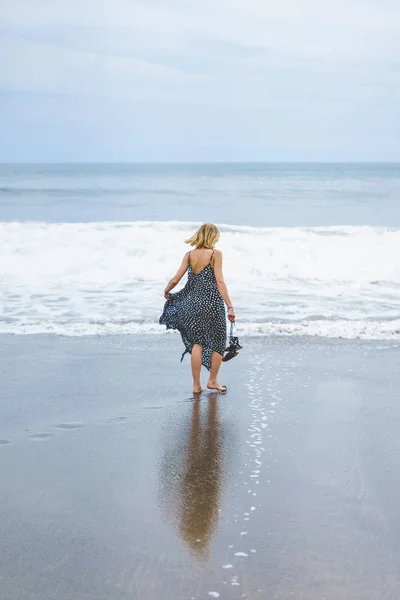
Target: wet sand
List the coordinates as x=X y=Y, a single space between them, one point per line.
x=117 y=485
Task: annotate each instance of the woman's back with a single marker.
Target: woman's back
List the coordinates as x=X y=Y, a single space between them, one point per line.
x=200 y=258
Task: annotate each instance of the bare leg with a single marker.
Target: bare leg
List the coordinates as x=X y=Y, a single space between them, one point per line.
x=196 y=358
x=216 y=360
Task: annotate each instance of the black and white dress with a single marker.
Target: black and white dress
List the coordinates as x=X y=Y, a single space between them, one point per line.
x=198 y=313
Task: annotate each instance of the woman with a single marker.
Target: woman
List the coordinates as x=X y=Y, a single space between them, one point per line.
x=197 y=311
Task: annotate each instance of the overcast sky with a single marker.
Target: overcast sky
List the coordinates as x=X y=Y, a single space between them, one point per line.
x=207 y=80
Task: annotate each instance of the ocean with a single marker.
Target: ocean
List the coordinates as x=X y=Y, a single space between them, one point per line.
x=309 y=249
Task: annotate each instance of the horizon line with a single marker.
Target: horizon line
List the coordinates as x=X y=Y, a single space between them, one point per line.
x=205 y=163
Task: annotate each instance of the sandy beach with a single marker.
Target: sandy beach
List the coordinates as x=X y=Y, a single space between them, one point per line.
x=117 y=484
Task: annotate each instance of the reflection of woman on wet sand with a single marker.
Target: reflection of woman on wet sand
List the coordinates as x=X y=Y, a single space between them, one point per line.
x=197 y=479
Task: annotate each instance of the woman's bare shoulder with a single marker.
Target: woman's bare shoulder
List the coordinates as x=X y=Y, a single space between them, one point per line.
x=185 y=259
x=216 y=258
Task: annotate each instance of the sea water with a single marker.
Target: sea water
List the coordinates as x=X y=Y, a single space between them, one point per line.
x=308 y=249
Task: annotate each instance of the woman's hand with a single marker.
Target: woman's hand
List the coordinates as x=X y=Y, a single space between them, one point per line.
x=231 y=314
x=167 y=295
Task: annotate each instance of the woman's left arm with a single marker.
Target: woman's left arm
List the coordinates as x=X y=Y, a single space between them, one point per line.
x=178 y=276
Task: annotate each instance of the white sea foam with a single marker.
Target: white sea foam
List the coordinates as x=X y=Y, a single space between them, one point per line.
x=96 y=278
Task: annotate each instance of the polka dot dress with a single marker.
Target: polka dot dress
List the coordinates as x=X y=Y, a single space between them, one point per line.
x=198 y=313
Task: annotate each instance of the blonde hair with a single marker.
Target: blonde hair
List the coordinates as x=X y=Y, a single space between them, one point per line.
x=205 y=237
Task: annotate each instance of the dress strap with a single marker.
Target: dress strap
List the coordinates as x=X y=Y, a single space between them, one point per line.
x=211 y=257
x=189 y=259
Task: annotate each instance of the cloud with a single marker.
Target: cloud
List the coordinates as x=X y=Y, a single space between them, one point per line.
x=318 y=66
x=293 y=27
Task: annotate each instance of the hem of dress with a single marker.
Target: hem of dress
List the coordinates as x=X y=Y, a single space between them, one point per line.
x=187 y=351
x=208 y=367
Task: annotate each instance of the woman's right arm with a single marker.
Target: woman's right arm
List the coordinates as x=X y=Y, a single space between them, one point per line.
x=223 y=290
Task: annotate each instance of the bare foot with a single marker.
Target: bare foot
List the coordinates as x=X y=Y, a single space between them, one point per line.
x=214 y=385
x=198 y=390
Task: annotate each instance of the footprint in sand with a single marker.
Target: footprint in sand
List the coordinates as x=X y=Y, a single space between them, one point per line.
x=4 y=442
x=40 y=436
